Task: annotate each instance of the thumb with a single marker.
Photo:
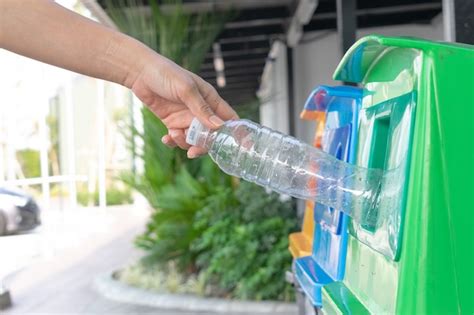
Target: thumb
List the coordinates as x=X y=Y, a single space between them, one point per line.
x=193 y=99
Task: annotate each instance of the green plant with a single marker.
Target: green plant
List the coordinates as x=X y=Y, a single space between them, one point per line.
x=29 y=160
x=184 y=38
x=58 y=190
x=113 y=196
x=53 y=127
x=243 y=248
x=171 y=230
x=84 y=197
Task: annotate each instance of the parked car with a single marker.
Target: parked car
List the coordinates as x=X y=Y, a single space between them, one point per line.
x=18 y=211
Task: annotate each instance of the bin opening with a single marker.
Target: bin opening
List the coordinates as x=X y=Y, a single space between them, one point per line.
x=379 y=150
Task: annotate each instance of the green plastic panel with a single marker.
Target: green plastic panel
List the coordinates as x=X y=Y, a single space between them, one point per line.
x=347 y=302
x=371 y=277
x=434 y=270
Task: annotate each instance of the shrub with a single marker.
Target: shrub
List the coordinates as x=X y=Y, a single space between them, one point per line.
x=243 y=248
x=113 y=196
x=171 y=229
x=29 y=160
x=84 y=197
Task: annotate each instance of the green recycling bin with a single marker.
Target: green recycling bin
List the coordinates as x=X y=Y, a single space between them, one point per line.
x=412 y=253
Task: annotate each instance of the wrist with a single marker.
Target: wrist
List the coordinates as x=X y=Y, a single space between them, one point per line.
x=124 y=59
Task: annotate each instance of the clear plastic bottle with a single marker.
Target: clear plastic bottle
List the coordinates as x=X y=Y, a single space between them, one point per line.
x=284 y=164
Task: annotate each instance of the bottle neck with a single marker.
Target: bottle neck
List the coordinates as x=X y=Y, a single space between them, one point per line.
x=199 y=135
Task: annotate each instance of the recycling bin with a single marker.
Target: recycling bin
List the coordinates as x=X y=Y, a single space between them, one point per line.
x=411 y=252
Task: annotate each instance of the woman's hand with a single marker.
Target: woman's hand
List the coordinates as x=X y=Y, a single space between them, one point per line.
x=176 y=96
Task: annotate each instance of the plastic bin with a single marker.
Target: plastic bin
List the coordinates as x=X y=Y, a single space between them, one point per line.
x=415 y=254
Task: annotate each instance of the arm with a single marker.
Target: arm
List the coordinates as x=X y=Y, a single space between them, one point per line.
x=45 y=31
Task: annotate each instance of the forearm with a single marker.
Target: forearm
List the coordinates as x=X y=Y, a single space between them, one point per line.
x=45 y=31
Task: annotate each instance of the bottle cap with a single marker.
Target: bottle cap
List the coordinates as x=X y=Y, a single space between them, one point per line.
x=197 y=134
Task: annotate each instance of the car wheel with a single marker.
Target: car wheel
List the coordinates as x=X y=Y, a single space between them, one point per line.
x=5 y=299
x=3 y=224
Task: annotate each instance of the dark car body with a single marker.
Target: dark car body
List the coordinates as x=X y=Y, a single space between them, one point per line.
x=18 y=211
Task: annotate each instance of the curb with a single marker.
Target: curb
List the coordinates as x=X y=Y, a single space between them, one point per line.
x=117 y=291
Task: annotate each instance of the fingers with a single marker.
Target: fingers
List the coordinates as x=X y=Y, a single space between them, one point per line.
x=210 y=95
x=178 y=138
x=192 y=97
x=211 y=108
x=179 y=120
x=175 y=138
x=195 y=152
x=168 y=141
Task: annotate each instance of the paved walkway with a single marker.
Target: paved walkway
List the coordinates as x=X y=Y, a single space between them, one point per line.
x=63 y=283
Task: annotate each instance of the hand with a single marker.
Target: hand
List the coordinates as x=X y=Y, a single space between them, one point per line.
x=176 y=96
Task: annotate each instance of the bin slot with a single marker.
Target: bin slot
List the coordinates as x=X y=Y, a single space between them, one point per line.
x=378 y=157
x=379 y=142
x=384 y=143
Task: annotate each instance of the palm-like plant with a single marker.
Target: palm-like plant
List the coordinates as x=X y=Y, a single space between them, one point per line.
x=174 y=186
x=182 y=37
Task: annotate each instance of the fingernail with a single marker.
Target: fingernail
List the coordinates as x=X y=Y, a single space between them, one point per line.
x=192 y=155
x=164 y=139
x=216 y=121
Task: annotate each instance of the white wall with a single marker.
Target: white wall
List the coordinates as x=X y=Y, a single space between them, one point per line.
x=273 y=93
x=318 y=55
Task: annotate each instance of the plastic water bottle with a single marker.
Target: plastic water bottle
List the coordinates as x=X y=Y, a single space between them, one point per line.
x=286 y=165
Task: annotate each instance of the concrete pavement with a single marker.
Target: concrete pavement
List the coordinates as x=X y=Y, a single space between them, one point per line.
x=63 y=283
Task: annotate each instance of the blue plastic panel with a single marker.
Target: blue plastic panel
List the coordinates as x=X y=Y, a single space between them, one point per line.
x=311 y=278
x=327 y=262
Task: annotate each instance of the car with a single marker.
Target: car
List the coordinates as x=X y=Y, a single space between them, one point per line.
x=18 y=211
